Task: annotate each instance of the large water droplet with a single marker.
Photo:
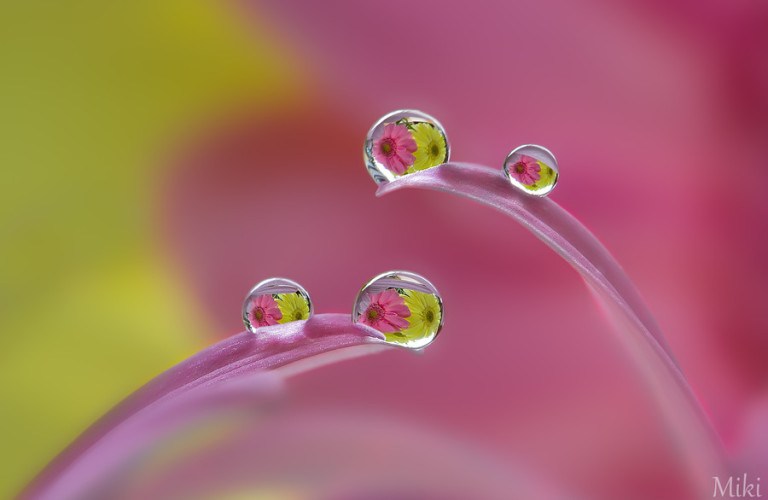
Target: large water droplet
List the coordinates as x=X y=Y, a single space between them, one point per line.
x=532 y=169
x=404 y=142
x=275 y=301
x=404 y=306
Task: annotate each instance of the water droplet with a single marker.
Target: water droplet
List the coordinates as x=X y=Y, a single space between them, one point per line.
x=404 y=142
x=275 y=301
x=404 y=306
x=532 y=169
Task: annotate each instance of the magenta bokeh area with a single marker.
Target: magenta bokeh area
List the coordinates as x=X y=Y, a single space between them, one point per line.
x=657 y=113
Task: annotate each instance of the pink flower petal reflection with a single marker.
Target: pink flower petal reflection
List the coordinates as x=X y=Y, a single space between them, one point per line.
x=395 y=148
x=385 y=311
x=526 y=170
x=263 y=311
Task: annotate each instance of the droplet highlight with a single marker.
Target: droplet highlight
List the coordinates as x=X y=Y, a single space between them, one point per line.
x=532 y=169
x=276 y=301
x=404 y=142
x=404 y=306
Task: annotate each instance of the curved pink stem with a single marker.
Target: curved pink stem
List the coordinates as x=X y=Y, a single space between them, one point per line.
x=283 y=349
x=563 y=233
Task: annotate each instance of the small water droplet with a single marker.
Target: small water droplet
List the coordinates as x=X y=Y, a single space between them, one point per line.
x=404 y=306
x=276 y=301
x=404 y=142
x=532 y=168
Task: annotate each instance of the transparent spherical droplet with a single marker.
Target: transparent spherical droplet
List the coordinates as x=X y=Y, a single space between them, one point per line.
x=404 y=142
x=275 y=301
x=404 y=306
x=532 y=169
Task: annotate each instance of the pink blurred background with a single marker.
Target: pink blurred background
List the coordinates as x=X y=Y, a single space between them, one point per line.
x=658 y=115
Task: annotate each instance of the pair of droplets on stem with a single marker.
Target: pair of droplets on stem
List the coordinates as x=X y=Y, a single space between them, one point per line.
x=405 y=307
x=407 y=141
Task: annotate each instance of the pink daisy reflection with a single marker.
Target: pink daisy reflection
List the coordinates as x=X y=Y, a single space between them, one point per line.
x=395 y=148
x=385 y=311
x=526 y=170
x=262 y=310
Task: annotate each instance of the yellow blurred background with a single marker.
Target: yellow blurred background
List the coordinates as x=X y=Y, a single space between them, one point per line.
x=87 y=89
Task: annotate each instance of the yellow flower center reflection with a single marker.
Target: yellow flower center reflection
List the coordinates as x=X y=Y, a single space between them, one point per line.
x=424 y=320
x=431 y=148
x=293 y=306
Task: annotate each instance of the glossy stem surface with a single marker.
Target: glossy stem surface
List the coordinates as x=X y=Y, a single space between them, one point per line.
x=690 y=428
x=281 y=349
